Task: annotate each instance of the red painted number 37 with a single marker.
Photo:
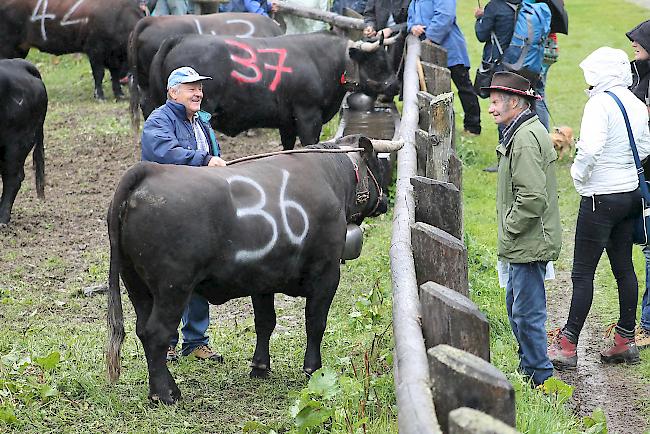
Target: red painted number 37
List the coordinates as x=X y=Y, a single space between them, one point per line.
x=250 y=63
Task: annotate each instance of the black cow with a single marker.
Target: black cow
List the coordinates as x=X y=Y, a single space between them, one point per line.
x=22 y=112
x=295 y=83
x=275 y=224
x=149 y=33
x=98 y=28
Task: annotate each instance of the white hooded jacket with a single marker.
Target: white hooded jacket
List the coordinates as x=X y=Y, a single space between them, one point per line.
x=604 y=162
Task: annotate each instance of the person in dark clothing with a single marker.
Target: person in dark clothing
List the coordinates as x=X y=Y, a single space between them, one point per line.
x=640 y=38
x=435 y=20
x=388 y=17
x=497 y=17
x=357 y=6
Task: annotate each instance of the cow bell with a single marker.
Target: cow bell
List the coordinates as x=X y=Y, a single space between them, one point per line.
x=353 y=242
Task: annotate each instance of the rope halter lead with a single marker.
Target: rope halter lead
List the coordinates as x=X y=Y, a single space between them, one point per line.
x=361 y=189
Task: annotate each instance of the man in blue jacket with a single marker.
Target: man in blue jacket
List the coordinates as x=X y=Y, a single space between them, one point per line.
x=435 y=20
x=178 y=132
x=261 y=7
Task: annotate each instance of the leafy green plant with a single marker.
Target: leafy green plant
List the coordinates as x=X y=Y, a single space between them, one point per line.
x=596 y=422
x=24 y=381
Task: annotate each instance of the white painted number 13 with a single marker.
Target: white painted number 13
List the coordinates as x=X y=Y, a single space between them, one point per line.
x=258 y=210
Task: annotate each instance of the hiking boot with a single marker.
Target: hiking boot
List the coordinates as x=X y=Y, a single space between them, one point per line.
x=172 y=355
x=204 y=352
x=642 y=338
x=562 y=352
x=624 y=350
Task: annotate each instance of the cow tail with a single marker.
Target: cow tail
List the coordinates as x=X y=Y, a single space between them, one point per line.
x=134 y=88
x=115 y=315
x=38 y=159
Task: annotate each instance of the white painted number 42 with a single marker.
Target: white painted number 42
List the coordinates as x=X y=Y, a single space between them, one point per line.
x=40 y=14
x=258 y=210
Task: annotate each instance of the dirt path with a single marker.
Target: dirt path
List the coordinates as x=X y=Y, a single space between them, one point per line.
x=614 y=388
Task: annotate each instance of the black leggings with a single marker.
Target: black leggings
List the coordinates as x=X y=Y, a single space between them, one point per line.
x=604 y=222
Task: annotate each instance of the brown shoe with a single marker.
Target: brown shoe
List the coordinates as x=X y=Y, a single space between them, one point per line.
x=172 y=355
x=204 y=352
x=642 y=338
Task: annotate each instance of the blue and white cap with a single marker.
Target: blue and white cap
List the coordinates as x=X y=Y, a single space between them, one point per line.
x=184 y=74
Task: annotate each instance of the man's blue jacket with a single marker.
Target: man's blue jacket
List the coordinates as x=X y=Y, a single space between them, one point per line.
x=439 y=18
x=261 y=7
x=168 y=137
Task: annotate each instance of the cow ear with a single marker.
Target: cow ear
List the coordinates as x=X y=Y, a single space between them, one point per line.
x=355 y=54
x=366 y=144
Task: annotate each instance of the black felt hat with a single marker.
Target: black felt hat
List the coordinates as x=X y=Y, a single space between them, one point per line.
x=509 y=82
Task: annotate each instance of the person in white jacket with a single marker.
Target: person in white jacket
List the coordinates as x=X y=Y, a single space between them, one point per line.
x=605 y=176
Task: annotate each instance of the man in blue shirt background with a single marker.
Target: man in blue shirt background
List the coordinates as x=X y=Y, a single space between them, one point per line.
x=178 y=132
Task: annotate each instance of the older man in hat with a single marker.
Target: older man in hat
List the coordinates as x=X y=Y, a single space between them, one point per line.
x=178 y=132
x=529 y=231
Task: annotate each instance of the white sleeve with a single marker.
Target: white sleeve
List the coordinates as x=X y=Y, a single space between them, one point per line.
x=643 y=143
x=593 y=136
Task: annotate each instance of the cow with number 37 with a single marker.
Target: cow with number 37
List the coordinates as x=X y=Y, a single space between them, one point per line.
x=276 y=224
x=294 y=83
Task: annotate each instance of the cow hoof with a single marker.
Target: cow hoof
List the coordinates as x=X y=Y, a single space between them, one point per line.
x=309 y=371
x=175 y=394
x=156 y=399
x=260 y=372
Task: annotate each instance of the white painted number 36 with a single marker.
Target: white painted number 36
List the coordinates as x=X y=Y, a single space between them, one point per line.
x=257 y=210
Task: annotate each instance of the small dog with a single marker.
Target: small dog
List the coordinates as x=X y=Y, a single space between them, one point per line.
x=563 y=140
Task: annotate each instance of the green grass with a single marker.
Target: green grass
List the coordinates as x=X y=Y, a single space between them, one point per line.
x=591 y=26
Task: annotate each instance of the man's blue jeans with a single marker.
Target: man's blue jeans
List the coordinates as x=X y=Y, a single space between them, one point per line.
x=645 y=303
x=526 y=305
x=196 y=319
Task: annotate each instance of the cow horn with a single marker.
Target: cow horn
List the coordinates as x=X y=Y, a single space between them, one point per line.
x=390 y=41
x=387 y=145
x=368 y=47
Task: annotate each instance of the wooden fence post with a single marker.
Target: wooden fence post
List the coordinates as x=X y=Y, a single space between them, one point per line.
x=439 y=257
x=466 y=420
x=439 y=204
x=453 y=319
x=461 y=379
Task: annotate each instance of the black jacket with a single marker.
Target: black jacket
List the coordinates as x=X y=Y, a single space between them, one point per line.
x=641 y=69
x=377 y=13
x=498 y=17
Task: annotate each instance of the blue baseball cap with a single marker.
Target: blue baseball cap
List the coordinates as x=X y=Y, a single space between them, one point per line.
x=184 y=74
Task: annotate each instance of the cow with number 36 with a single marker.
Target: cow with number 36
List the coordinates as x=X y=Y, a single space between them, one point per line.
x=275 y=224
